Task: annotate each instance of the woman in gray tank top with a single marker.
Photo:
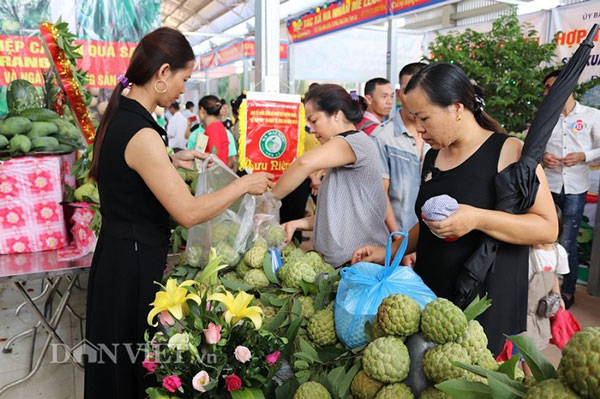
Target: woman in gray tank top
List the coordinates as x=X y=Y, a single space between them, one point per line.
x=352 y=205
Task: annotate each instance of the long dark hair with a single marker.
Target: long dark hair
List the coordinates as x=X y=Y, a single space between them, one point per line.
x=446 y=84
x=162 y=46
x=331 y=98
x=211 y=104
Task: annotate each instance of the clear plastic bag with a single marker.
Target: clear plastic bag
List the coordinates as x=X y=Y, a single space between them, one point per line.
x=364 y=285
x=230 y=233
x=266 y=221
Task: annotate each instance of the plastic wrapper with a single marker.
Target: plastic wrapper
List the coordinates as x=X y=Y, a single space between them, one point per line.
x=230 y=233
x=364 y=285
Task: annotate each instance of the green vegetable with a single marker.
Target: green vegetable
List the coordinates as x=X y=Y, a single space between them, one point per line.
x=3 y=141
x=66 y=128
x=19 y=144
x=21 y=95
x=41 y=129
x=45 y=144
x=15 y=125
x=39 y=114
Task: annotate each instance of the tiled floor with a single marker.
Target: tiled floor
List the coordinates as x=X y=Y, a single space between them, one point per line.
x=65 y=381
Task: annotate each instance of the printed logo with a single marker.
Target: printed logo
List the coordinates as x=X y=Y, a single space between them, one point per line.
x=273 y=143
x=578 y=126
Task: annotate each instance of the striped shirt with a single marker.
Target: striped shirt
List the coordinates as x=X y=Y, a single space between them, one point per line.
x=352 y=205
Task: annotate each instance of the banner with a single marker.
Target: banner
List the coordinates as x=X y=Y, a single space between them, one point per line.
x=336 y=16
x=402 y=6
x=237 y=51
x=570 y=26
x=271 y=132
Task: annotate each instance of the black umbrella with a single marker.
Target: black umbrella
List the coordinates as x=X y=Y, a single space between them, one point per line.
x=517 y=185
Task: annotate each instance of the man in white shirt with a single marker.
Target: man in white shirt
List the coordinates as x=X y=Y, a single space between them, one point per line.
x=575 y=142
x=188 y=112
x=177 y=129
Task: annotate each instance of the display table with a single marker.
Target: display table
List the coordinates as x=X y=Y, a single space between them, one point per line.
x=20 y=268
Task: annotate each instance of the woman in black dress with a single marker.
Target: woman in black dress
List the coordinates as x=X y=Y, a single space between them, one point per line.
x=139 y=187
x=468 y=150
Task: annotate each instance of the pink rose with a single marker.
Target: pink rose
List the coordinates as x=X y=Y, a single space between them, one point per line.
x=242 y=354
x=166 y=319
x=200 y=380
x=233 y=382
x=212 y=333
x=273 y=358
x=171 y=383
x=150 y=363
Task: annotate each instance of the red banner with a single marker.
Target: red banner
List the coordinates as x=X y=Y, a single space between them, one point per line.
x=271 y=135
x=402 y=6
x=231 y=53
x=335 y=17
x=23 y=57
x=234 y=52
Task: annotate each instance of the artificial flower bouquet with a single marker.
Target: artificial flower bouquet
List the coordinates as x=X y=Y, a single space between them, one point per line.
x=210 y=344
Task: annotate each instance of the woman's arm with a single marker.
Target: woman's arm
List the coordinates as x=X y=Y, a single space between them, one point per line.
x=390 y=218
x=538 y=226
x=334 y=153
x=373 y=254
x=145 y=153
x=304 y=224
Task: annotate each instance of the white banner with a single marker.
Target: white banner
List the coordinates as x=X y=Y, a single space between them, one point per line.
x=571 y=25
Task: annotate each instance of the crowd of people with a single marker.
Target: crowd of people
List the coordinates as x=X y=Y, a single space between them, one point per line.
x=373 y=169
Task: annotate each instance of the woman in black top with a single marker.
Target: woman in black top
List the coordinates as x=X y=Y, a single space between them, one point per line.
x=467 y=153
x=139 y=187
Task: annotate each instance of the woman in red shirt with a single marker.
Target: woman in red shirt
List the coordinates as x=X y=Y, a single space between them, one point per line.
x=209 y=108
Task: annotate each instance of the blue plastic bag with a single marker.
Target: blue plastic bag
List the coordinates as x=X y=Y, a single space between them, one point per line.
x=364 y=285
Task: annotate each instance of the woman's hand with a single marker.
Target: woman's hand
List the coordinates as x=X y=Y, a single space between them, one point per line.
x=289 y=228
x=461 y=222
x=315 y=182
x=185 y=158
x=257 y=183
x=369 y=253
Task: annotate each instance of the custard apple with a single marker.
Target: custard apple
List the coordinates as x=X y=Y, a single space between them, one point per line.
x=399 y=315
x=364 y=387
x=323 y=267
x=321 y=328
x=442 y=321
x=579 y=367
x=437 y=362
x=255 y=256
x=225 y=230
x=296 y=272
x=473 y=339
x=256 y=278
x=314 y=256
x=485 y=359
x=377 y=330
x=241 y=269
x=182 y=259
x=233 y=277
x=281 y=273
x=229 y=256
x=312 y=390
x=260 y=243
x=289 y=247
x=308 y=306
x=194 y=255
x=269 y=312
x=434 y=393
x=395 y=391
x=386 y=360
x=551 y=389
x=292 y=254
x=275 y=236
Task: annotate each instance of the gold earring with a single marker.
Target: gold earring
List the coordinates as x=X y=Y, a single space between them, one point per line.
x=457 y=117
x=156 y=87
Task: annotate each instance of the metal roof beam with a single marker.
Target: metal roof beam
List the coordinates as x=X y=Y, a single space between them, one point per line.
x=194 y=13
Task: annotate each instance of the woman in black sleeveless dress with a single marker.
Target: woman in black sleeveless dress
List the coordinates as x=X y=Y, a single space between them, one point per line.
x=139 y=187
x=465 y=158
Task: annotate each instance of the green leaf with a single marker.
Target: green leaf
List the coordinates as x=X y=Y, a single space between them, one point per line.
x=489 y=374
x=344 y=386
x=309 y=289
x=287 y=389
x=247 y=393
x=369 y=331
x=330 y=353
x=268 y=269
x=540 y=367
x=236 y=286
x=460 y=389
x=292 y=333
x=325 y=288
x=301 y=365
x=279 y=318
x=334 y=377
x=477 y=307
x=505 y=388
x=509 y=367
x=307 y=349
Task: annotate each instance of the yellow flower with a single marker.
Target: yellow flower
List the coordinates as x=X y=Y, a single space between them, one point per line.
x=173 y=299
x=237 y=307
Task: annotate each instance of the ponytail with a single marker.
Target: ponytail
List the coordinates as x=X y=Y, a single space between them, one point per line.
x=488 y=123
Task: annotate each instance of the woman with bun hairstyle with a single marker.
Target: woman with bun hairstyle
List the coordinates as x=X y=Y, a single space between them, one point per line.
x=352 y=205
x=139 y=188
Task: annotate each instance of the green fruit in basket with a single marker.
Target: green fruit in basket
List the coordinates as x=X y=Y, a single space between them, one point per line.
x=44 y=144
x=437 y=362
x=312 y=390
x=228 y=254
x=551 y=389
x=3 y=141
x=395 y=391
x=364 y=387
x=296 y=272
x=442 y=321
x=39 y=114
x=399 y=315
x=434 y=393
x=255 y=257
x=308 y=306
x=41 y=129
x=256 y=278
x=579 y=366
x=321 y=328
x=21 y=95
x=386 y=359
x=15 y=125
x=19 y=144
x=66 y=129
x=275 y=236
x=242 y=268
x=473 y=339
